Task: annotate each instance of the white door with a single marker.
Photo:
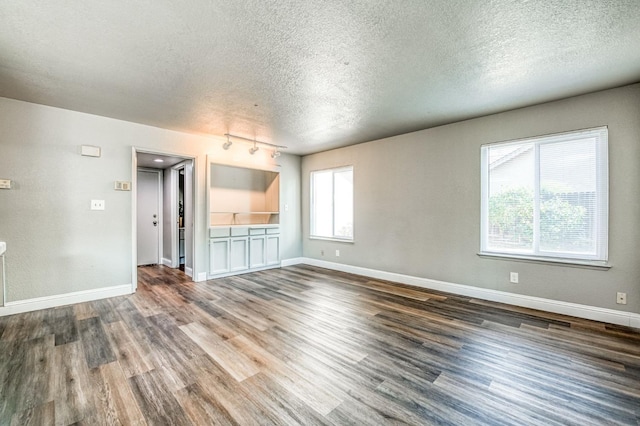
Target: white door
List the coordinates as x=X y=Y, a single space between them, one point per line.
x=148 y=207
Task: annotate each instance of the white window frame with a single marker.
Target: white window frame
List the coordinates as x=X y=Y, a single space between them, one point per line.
x=333 y=237
x=600 y=258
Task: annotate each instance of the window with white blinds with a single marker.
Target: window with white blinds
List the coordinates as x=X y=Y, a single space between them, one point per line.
x=547 y=197
x=332 y=204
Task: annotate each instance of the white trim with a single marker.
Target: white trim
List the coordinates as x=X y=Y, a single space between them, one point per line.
x=572 y=263
x=293 y=261
x=188 y=271
x=46 y=302
x=175 y=192
x=202 y=276
x=559 y=307
x=134 y=219
x=166 y=262
x=334 y=239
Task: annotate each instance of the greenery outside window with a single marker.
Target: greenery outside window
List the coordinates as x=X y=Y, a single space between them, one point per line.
x=547 y=197
x=332 y=204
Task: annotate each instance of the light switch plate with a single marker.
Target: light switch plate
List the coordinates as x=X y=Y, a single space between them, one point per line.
x=5 y=184
x=121 y=185
x=97 y=204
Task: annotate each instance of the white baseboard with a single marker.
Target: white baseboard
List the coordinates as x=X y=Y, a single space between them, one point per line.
x=202 y=276
x=293 y=261
x=166 y=262
x=559 y=307
x=46 y=302
x=188 y=271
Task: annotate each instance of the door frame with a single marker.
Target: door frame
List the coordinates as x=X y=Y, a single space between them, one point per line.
x=134 y=208
x=160 y=178
x=175 y=176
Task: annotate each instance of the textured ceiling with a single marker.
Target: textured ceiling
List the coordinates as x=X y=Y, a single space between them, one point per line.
x=312 y=75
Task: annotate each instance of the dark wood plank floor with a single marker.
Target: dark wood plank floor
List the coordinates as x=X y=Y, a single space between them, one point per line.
x=303 y=345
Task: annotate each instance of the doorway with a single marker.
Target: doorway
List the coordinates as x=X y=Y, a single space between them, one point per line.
x=164 y=234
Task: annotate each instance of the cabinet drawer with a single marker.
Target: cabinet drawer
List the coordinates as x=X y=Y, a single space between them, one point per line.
x=273 y=230
x=218 y=232
x=239 y=232
x=256 y=231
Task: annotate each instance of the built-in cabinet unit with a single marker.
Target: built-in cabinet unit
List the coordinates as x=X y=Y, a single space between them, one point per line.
x=244 y=215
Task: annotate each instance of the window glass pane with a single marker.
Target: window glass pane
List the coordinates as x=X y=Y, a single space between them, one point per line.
x=568 y=196
x=511 y=203
x=343 y=199
x=322 y=223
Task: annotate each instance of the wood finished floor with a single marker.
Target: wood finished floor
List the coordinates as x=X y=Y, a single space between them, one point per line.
x=303 y=345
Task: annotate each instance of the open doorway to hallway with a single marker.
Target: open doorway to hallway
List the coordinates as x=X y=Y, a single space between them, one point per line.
x=163 y=210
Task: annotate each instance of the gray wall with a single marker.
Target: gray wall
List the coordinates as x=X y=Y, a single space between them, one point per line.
x=417 y=202
x=56 y=245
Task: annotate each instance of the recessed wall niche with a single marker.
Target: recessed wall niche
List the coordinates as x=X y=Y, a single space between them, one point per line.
x=243 y=196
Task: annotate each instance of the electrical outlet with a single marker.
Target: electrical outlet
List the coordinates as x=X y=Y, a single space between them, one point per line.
x=97 y=204
x=513 y=277
x=621 y=298
x=337 y=253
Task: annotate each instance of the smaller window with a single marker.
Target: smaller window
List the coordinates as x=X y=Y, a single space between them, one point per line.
x=332 y=204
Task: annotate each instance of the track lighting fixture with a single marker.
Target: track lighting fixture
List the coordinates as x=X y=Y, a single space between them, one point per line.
x=276 y=152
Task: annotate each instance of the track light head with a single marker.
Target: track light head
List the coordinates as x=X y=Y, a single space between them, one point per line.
x=254 y=149
x=275 y=153
x=227 y=144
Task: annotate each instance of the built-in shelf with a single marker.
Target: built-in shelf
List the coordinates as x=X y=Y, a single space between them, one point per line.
x=243 y=196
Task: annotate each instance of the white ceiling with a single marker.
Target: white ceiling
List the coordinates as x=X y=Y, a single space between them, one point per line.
x=312 y=75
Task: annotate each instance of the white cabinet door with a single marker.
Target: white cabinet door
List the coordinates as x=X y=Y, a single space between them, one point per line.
x=273 y=249
x=257 y=252
x=218 y=256
x=238 y=253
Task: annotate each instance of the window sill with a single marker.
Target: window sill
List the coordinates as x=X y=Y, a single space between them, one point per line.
x=573 y=263
x=337 y=240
